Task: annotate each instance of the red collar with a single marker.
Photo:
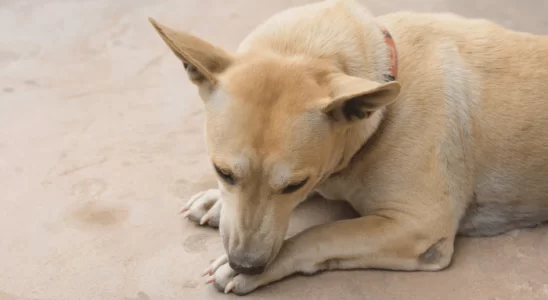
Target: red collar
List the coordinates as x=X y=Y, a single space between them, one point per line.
x=392 y=54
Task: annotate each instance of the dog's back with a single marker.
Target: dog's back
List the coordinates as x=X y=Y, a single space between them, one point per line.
x=494 y=111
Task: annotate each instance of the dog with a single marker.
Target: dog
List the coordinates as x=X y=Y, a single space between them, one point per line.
x=429 y=125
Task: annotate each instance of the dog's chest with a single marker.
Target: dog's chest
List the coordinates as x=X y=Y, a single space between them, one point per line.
x=333 y=189
x=343 y=188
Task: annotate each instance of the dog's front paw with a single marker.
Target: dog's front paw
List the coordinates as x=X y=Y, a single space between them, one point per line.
x=204 y=208
x=226 y=280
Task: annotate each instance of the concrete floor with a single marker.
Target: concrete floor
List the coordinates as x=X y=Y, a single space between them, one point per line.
x=101 y=140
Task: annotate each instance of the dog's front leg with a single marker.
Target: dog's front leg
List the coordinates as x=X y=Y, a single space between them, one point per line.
x=367 y=242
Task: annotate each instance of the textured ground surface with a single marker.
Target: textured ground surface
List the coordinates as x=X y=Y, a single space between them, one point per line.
x=101 y=140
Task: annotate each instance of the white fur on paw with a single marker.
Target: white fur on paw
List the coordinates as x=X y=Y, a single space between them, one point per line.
x=222 y=277
x=223 y=259
x=204 y=208
x=227 y=280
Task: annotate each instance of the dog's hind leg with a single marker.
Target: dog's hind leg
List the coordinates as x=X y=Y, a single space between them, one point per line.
x=380 y=242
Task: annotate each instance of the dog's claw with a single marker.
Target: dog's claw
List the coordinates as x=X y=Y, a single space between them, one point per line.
x=186 y=214
x=218 y=263
x=210 y=279
x=229 y=287
x=204 y=219
x=184 y=209
x=207 y=272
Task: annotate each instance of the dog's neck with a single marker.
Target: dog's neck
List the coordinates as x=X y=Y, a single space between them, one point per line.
x=356 y=139
x=357 y=136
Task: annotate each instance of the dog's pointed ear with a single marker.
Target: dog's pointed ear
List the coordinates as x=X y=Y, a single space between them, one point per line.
x=202 y=60
x=354 y=98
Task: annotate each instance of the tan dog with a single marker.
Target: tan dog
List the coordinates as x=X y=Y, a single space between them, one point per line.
x=456 y=144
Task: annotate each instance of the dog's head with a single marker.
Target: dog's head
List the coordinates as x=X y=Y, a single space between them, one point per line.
x=275 y=127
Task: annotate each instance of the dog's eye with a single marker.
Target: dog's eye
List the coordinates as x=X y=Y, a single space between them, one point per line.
x=225 y=175
x=294 y=187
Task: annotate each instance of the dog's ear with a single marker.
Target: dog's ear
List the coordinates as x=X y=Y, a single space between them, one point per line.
x=354 y=98
x=202 y=60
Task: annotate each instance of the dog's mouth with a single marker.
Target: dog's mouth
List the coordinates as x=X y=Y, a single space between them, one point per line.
x=253 y=270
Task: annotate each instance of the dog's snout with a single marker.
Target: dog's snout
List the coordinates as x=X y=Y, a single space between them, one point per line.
x=246 y=267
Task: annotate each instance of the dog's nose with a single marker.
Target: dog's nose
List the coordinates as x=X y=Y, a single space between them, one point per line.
x=247 y=268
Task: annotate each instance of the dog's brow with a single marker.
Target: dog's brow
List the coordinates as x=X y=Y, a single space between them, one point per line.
x=282 y=175
x=279 y=175
x=241 y=165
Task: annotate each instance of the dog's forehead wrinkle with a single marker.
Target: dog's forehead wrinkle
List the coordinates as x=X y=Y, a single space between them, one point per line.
x=267 y=79
x=260 y=129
